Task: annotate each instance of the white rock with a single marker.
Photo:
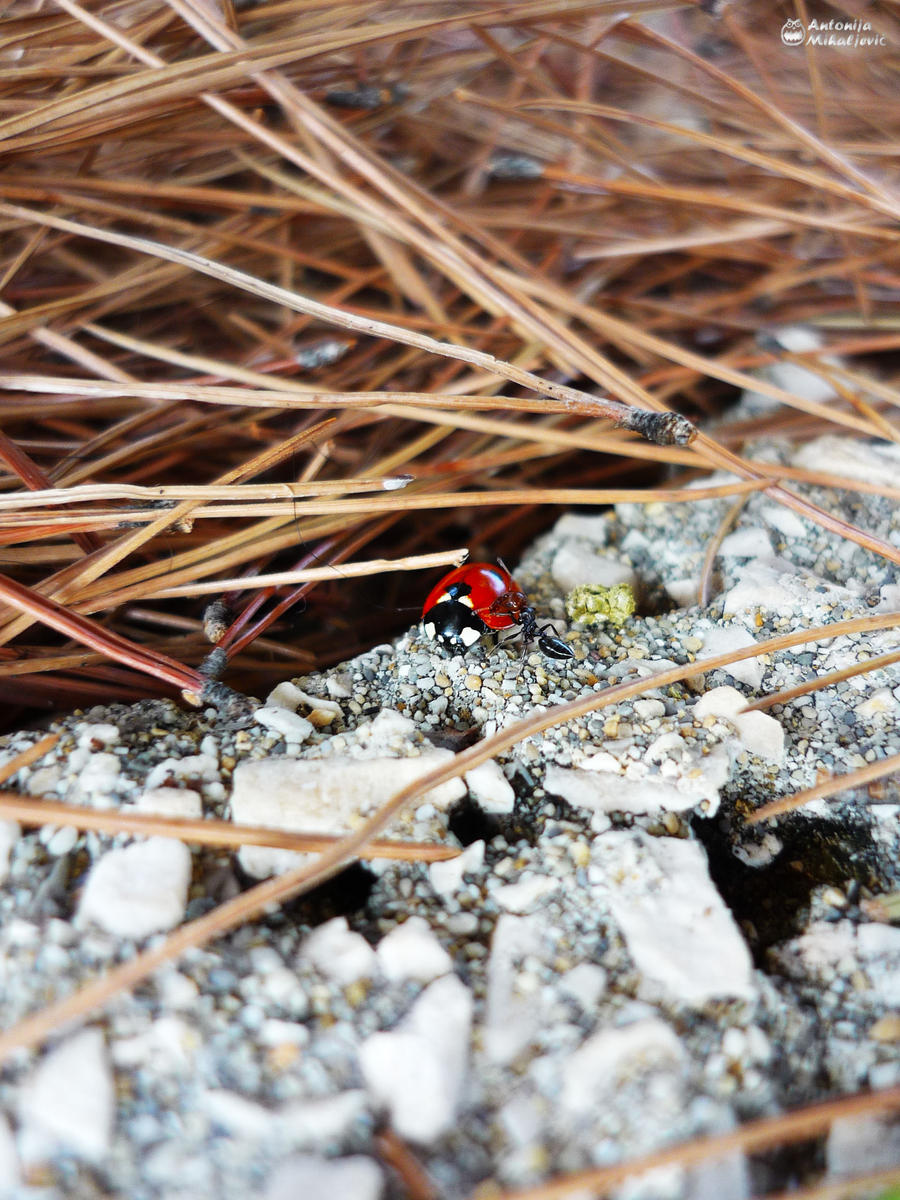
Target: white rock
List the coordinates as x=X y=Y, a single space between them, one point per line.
x=581 y=525
x=167 y=1045
x=288 y=695
x=649 y=709
x=175 y=991
x=747 y=542
x=104 y=734
x=60 y=841
x=285 y=695
x=607 y=791
x=879 y=955
x=659 y=1183
x=526 y=893
x=388 y=733
x=775 y=586
x=67 y=1104
x=856 y=1145
x=522 y=1119
x=331 y=795
x=183 y=803
x=318 y=1123
x=511 y=1018
x=97 y=780
x=585 y=983
x=761 y=853
x=411 y=951
x=282 y=987
x=792 y=377
x=761 y=734
x=491 y=788
x=446 y=877
x=603 y=761
x=575 y=564
x=758 y=732
x=10 y=1175
x=684 y=591
x=281 y=720
x=785 y=520
x=726 y=1178
x=876 y=463
x=316 y=1178
x=890 y=598
x=237 y=1115
x=44 y=781
x=340 y=686
x=192 y=766
x=683 y=939
x=338 y=953
x=417 y=1070
x=275 y=1032
x=723 y=639
x=139 y=889
x=9 y=835
x=610 y=1059
x=881 y=701
x=825 y=950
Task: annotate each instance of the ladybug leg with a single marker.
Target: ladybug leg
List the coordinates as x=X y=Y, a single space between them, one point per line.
x=552 y=644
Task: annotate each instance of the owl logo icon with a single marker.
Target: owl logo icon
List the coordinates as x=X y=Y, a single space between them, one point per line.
x=792 y=32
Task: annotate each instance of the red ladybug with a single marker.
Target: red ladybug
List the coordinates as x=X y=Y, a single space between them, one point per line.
x=477 y=598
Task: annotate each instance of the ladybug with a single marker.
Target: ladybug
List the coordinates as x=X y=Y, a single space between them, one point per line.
x=478 y=599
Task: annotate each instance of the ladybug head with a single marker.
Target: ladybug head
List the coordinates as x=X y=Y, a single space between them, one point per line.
x=454 y=625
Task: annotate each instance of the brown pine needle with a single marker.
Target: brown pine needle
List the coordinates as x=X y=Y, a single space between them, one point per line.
x=828 y=787
x=765 y=1133
x=715 y=543
x=27 y=757
x=38 y=812
x=397 y=1155
x=351 y=570
x=824 y=681
x=664 y=428
x=105 y=641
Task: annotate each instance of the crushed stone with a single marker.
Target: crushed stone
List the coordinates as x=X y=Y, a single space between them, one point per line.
x=616 y=961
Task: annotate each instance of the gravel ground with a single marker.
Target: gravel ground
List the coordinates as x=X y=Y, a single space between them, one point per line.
x=615 y=962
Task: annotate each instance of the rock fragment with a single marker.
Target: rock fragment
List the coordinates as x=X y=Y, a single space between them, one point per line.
x=681 y=936
x=417 y=1070
x=67 y=1104
x=137 y=890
